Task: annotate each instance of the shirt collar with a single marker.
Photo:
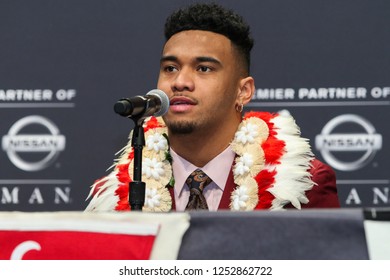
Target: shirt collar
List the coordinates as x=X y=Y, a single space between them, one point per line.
x=182 y=168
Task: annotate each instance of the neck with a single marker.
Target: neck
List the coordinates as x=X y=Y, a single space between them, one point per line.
x=199 y=147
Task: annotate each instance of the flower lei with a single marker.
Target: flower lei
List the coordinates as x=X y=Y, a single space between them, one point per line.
x=255 y=169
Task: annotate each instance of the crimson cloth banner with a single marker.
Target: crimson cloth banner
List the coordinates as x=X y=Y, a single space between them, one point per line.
x=74 y=245
x=90 y=236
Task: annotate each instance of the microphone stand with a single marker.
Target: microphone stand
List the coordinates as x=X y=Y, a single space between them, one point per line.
x=155 y=103
x=137 y=187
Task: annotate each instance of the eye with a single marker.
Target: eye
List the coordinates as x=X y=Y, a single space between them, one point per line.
x=170 y=68
x=203 y=68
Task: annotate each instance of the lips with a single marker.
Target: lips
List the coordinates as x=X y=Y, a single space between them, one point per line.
x=181 y=100
x=181 y=104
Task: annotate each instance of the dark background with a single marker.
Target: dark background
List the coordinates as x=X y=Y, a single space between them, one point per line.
x=105 y=50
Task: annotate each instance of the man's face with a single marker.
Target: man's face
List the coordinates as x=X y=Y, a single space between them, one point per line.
x=199 y=72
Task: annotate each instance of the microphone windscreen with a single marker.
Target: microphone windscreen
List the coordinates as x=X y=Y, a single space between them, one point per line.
x=164 y=101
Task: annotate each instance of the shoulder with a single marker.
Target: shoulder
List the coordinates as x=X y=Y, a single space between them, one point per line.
x=322 y=173
x=324 y=192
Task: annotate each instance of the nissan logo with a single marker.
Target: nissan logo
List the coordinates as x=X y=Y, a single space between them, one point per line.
x=367 y=142
x=15 y=143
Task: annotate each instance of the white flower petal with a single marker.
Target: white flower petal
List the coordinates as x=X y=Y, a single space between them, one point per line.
x=156 y=142
x=240 y=196
x=247 y=133
x=152 y=198
x=152 y=168
x=243 y=164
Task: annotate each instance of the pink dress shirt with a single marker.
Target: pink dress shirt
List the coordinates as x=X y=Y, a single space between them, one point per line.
x=217 y=169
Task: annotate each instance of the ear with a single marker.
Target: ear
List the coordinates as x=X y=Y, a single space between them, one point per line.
x=246 y=91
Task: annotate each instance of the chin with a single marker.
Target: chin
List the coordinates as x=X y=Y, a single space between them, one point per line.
x=180 y=127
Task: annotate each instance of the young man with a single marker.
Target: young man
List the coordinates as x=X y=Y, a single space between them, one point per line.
x=256 y=161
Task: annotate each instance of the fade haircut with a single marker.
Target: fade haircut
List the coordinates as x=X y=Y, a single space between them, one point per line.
x=215 y=18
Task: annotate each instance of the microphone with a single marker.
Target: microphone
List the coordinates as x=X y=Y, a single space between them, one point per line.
x=154 y=103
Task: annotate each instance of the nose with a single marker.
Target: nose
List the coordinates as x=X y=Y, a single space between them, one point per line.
x=183 y=81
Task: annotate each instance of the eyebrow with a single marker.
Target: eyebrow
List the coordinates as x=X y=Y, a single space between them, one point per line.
x=169 y=58
x=198 y=59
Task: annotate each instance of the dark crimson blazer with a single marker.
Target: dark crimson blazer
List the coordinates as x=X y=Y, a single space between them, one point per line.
x=322 y=195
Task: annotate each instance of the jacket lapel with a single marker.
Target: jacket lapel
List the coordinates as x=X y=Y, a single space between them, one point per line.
x=171 y=192
x=229 y=188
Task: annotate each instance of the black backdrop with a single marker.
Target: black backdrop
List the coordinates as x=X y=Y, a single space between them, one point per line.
x=63 y=64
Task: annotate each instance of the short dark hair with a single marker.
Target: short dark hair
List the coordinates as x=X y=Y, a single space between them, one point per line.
x=215 y=18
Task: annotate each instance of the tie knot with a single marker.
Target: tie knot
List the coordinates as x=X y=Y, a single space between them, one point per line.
x=198 y=180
